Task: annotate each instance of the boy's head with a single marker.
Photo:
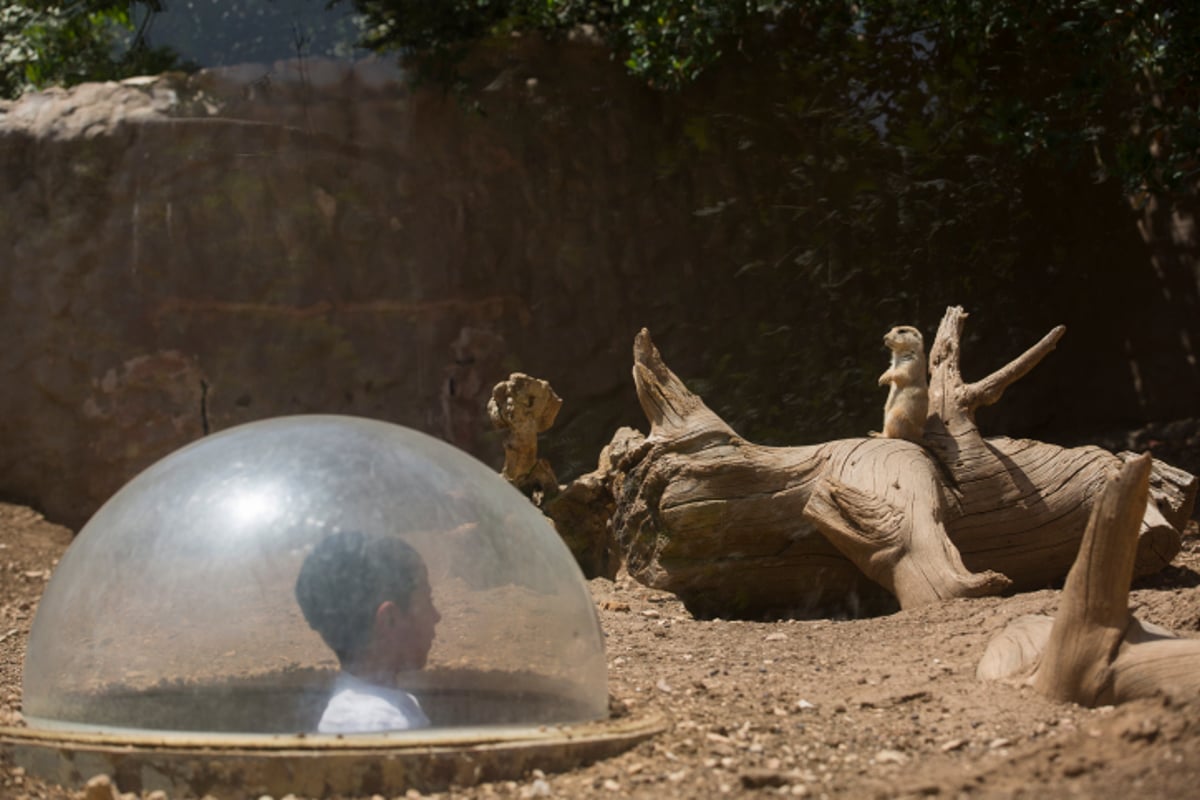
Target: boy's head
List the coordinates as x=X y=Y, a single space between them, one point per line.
x=368 y=597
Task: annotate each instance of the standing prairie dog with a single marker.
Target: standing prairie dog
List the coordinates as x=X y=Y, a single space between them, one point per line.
x=907 y=403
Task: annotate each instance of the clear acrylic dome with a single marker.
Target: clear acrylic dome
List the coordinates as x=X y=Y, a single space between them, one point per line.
x=176 y=608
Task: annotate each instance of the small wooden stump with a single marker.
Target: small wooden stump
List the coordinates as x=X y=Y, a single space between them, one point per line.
x=525 y=407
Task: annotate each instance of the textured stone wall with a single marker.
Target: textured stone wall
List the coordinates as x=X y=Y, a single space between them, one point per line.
x=183 y=254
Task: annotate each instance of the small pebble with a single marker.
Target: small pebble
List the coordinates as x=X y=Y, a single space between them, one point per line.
x=763 y=778
x=539 y=788
x=100 y=787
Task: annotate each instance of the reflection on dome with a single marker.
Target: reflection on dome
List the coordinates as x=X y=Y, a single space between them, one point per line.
x=176 y=607
x=249 y=508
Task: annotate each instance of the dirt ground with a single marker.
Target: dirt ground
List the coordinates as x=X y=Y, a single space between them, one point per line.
x=874 y=708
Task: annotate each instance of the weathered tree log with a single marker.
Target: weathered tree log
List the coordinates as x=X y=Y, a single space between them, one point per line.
x=1094 y=651
x=582 y=510
x=705 y=507
x=738 y=529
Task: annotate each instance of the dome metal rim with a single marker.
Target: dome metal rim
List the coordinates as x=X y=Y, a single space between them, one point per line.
x=237 y=765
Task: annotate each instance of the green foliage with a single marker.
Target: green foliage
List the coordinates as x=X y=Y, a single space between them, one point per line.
x=43 y=44
x=668 y=43
x=1111 y=85
x=896 y=174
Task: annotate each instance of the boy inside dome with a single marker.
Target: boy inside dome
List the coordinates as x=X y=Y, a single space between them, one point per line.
x=369 y=599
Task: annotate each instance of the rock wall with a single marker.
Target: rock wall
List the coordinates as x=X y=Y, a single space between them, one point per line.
x=186 y=253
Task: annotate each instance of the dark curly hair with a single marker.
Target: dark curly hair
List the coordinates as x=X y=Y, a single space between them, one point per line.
x=344 y=580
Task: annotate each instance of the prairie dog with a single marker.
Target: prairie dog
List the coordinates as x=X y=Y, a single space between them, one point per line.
x=907 y=403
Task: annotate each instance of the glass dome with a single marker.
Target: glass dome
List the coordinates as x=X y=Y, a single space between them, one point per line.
x=179 y=605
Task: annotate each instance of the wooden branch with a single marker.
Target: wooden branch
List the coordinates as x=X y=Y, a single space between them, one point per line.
x=867 y=529
x=903 y=548
x=673 y=410
x=951 y=429
x=1009 y=494
x=951 y=398
x=950 y=432
x=1094 y=611
x=945 y=363
x=990 y=389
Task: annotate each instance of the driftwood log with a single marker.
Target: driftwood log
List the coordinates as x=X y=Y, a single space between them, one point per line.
x=1095 y=652
x=853 y=526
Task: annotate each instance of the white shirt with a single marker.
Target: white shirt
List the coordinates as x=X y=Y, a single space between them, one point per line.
x=360 y=707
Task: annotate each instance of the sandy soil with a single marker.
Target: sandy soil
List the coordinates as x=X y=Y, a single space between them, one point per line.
x=875 y=708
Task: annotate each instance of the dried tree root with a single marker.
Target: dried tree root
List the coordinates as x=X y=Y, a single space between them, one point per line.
x=1094 y=651
x=1094 y=611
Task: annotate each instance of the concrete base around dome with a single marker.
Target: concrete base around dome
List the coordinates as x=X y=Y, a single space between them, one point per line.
x=291 y=701
x=231 y=766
